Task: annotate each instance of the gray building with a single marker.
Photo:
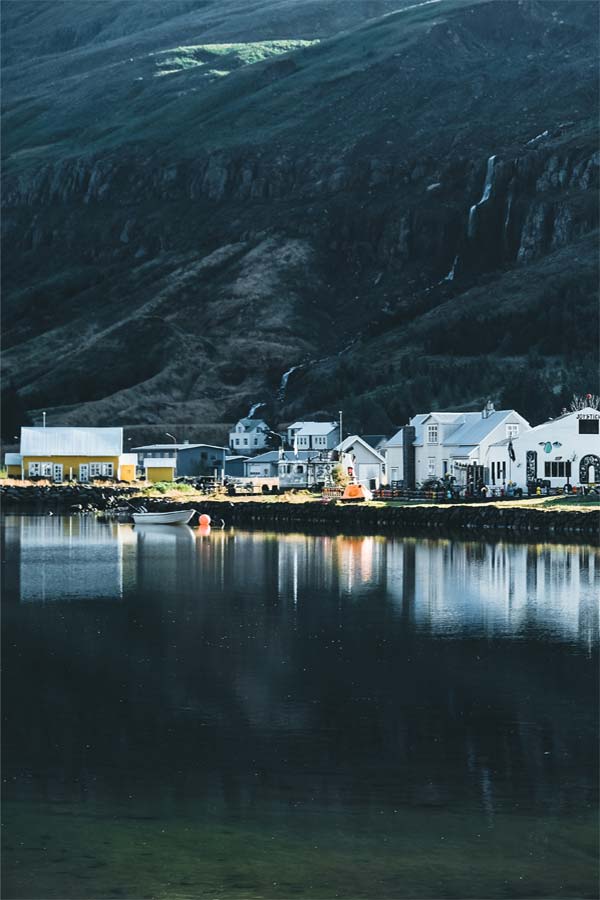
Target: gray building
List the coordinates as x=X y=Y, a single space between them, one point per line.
x=191 y=459
x=235 y=466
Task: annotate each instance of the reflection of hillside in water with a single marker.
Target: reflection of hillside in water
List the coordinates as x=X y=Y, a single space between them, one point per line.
x=257 y=669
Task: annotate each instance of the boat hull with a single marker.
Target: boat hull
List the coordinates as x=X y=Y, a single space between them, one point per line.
x=176 y=517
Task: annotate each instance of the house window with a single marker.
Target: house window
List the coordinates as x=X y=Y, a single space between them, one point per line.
x=300 y=470
x=107 y=470
x=255 y=442
x=95 y=469
x=512 y=431
x=245 y=442
x=493 y=473
x=431 y=465
x=34 y=469
x=589 y=426
x=237 y=442
x=557 y=469
x=432 y=434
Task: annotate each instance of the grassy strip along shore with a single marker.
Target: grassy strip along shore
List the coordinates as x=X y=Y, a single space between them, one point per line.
x=536 y=517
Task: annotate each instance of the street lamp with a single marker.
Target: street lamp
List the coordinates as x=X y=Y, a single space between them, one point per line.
x=173 y=438
x=276 y=433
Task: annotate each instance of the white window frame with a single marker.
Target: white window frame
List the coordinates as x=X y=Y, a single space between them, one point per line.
x=512 y=430
x=433 y=434
x=57 y=472
x=430 y=466
x=34 y=469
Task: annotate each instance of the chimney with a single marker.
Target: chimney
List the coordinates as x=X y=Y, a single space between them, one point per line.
x=488 y=410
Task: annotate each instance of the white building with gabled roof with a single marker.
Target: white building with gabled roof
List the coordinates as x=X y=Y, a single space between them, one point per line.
x=436 y=445
x=313 y=435
x=366 y=465
x=249 y=435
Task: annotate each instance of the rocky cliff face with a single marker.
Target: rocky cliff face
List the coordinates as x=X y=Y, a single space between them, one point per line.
x=198 y=278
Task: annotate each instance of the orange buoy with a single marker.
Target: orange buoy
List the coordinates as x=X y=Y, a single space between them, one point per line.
x=204 y=519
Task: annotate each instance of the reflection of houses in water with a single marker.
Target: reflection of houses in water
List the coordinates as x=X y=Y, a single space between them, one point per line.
x=441 y=586
x=75 y=558
x=498 y=587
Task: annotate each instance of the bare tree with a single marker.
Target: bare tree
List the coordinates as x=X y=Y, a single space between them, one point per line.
x=583 y=401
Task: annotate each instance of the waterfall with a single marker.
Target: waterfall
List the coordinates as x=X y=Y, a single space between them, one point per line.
x=537 y=138
x=485 y=196
x=507 y=216
x=284 y=381
x=452 y=272
x=471 y=225
x=253 y=409
x=412 y=6
x=489 y=178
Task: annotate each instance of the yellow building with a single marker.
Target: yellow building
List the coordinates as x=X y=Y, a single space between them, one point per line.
x=157 y=469
x=74 y=454
x=12 y=461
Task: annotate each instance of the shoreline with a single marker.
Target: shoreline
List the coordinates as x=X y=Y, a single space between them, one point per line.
x=518 y=519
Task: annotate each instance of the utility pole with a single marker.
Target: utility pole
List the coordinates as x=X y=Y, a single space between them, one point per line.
x=43 y=420
x=341 y=431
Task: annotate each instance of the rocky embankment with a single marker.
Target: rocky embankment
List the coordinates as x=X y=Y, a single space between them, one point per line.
x=523 y=521
x=65 y=498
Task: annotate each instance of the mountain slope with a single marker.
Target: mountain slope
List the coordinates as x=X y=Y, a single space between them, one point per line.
x=187 y=221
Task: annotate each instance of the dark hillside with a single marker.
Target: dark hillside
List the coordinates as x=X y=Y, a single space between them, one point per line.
x=402 y=203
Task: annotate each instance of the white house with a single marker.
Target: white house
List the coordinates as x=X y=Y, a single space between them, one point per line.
x=365 y=465
x=249 y=435
x=313 y=435
x=560 y=451
x=439 y=444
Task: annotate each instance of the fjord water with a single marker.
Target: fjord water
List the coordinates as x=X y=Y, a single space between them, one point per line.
x=252 y=714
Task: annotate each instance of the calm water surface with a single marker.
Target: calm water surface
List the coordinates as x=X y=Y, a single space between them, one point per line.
x=252 y=714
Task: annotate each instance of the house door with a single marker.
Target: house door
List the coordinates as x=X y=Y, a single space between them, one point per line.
x=57 y=472
x=589 y=469
x=84 y=472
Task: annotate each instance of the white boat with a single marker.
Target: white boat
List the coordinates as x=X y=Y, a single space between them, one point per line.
x=176 y=517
